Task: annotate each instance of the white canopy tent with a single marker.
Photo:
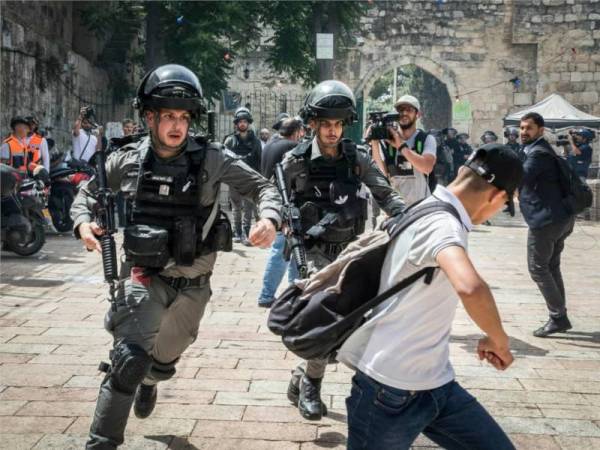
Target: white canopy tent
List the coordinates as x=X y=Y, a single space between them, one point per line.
x=557 y=113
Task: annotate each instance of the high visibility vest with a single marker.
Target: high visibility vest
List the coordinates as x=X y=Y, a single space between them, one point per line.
x=22 y=157
x=35 y=144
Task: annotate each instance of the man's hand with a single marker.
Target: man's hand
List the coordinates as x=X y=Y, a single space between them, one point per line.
x=88 y=233
x=262 y=233
x=396 y=140
x=497 y=354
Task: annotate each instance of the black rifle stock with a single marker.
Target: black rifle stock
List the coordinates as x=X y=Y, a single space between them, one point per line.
x=291 y=216
x=105 y=216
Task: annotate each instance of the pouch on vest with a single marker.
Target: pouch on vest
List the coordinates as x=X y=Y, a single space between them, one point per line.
x=184 y=240
x=146 y=246
x=220 y=236
x=316 y=315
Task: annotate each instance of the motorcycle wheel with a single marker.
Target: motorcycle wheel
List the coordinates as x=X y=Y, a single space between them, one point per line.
x=38 y=238
x=59 y=206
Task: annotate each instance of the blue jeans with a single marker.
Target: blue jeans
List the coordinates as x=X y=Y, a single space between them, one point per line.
x=381 y=417
x=275 y=269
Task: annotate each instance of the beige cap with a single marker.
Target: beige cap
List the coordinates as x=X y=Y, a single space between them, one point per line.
x=408 y=100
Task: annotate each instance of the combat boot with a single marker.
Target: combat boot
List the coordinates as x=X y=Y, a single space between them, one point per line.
x=309 y=402
x=145 y=400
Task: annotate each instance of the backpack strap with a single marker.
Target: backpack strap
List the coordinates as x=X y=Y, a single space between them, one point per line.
x=420 y=139
x=394 y=228
x=396 y=225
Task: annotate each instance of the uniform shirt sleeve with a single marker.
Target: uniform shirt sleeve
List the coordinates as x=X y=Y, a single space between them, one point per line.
x=82 y=209
x=586 y=153
x=387 y=199
x=247 y=182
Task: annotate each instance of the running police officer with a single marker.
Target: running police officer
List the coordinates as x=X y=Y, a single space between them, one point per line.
x=325 y=177
x=171 y=186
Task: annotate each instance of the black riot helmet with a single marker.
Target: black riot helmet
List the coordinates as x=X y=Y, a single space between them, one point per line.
x=489 y=137
x=511 y=131
x=330 y=99
x=242 y=113
x=18 y=120
x=170 y=86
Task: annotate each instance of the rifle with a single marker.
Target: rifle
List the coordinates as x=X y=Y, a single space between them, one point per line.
x=291 y=216
x=105 y=216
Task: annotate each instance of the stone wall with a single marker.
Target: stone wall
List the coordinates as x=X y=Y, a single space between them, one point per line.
x=469 y=45
x=49 y=68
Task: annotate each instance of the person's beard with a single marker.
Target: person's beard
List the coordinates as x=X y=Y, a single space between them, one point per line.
x=407 y=126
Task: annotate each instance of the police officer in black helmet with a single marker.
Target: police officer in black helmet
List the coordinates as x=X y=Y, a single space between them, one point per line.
x=244 y=143
x=325 y=176
x=174 y=228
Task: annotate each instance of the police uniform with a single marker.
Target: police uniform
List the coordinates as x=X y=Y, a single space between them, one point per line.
x=249 y=150
x=332 y=200
x=173 y=231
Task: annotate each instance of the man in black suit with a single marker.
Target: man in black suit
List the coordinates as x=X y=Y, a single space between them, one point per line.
x=549 y=221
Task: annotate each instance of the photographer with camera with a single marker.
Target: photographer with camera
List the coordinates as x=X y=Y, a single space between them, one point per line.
x=86 y=133
x=411 y=154
x=580 y=156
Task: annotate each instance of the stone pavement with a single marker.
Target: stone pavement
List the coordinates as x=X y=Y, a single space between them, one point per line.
x=229 y=391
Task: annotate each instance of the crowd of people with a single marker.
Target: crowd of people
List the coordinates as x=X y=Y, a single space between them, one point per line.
x=168 y=183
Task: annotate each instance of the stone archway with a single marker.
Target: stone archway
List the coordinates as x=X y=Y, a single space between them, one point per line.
x=445 y=81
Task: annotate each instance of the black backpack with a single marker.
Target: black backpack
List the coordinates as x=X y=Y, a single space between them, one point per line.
x=315 y=316
x=577 y=195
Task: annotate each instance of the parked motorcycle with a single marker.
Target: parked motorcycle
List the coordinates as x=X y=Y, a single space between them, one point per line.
x=22 y=220
x=65 y=179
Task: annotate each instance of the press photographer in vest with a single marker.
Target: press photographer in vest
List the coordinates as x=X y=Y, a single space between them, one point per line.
x=174 y=228
x=412 y=155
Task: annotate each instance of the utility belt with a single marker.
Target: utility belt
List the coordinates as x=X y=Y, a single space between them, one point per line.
x=180 y=283
x=151 y=246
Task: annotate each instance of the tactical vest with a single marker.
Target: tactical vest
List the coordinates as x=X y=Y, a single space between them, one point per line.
x=166 y=210
x=397 y=164
x=327 y=194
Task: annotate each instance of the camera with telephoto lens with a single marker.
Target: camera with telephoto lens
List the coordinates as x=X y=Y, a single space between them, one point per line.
x=380 y=123
x=89 y=114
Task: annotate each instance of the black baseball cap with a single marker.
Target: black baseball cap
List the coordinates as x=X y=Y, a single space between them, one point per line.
x=500 y=166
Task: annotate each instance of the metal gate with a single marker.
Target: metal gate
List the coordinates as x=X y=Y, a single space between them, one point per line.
x=264 y=105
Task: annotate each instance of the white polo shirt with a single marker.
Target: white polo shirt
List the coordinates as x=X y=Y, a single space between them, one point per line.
x=405 y=343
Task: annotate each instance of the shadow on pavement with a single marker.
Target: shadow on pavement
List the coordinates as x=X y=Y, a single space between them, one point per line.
x=579 y=336
x=336 y=416
x=33 y=282
x=330 y=439
x=517 y=346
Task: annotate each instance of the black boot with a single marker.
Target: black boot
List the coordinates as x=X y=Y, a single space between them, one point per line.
x=309 y=403
x=293 y=392
x=145 y=400
x=554 y=325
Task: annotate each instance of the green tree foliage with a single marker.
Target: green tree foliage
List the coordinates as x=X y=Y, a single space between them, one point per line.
x=199 y=34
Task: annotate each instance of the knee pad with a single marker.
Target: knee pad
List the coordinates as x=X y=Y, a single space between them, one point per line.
x=130 y=364
x=162 y=371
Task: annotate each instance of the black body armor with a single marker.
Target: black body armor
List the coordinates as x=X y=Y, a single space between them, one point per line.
x=327 y=193
x=165 y=216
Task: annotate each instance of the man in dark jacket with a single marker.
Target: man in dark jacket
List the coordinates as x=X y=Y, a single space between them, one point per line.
x=550 y=223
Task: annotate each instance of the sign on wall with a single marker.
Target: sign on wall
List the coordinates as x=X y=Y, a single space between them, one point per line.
x=324 y=45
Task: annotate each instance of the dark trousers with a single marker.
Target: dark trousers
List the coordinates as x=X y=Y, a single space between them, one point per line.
x=382 y=417
x=544 y=246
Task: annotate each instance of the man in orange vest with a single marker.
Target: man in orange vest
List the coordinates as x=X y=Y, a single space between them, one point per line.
x=36 y=143
x=14 y=150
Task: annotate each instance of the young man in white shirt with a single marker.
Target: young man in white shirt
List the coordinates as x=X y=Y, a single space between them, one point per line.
x=404 y=382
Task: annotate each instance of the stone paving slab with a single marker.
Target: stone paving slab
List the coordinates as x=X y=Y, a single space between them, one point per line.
x=230 y=389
